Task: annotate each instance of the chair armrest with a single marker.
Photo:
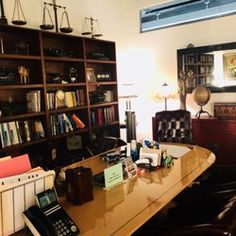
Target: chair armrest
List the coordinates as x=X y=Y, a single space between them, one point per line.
x=201 y=230
x=191 y=230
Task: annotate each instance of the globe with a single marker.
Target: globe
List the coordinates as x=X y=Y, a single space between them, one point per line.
x=201 y=95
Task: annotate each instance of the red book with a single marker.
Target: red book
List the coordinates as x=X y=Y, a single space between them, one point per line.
x=78 y=122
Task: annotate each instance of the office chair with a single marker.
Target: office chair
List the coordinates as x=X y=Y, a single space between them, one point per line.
x=218 y=181
x=172 y=126
x=103 y=144
x=198 y=220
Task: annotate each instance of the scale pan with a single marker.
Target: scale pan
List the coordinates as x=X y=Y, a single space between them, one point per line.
x=46 y=27
x=86 y=33
x=97 y=35
x=66 y=30
x=19 y=22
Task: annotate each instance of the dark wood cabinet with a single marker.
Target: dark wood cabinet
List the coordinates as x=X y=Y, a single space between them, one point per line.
x=58 y=80
x=217 y=135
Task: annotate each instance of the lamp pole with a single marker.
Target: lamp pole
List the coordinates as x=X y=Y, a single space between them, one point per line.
x=3 y=19
x=166 y=93
x=165 y=103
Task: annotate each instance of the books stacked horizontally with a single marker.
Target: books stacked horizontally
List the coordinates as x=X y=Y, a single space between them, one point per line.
x=64 y=123
x=16 y=132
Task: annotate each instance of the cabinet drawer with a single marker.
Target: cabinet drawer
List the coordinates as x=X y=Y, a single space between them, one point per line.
x=214 y=126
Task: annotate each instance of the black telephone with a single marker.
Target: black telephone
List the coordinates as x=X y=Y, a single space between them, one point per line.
x=49 y=218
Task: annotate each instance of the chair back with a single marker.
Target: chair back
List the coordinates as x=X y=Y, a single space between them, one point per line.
x=103 y=144
x=172 y=126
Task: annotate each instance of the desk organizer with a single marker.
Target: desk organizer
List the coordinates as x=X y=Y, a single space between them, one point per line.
x=16 y=196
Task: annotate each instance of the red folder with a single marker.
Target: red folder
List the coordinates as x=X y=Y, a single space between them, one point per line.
x=15 y=166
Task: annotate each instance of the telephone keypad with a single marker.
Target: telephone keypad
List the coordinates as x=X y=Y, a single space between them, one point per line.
x=63 y=225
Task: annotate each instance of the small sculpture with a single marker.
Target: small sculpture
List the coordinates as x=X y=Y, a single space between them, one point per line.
x=183 y=77
x=24 y=74
x=73 y=74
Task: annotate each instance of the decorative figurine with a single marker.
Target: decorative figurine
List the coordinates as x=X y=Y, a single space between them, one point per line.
x=24 y=74
x=73 y=75
x=18 y=13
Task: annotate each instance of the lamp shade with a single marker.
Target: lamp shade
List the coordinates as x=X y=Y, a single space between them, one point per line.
x=165 y=91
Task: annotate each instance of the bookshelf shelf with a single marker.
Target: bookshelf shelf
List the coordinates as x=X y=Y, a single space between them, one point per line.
x=48 y=56
x=19 y=57
x=57 y=85
x=63 y=59
x=100 y=61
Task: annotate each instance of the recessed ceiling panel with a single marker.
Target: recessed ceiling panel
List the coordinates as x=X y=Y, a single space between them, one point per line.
x=184 y=11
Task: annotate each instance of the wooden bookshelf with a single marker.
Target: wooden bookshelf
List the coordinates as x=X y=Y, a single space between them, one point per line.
x=57 y=62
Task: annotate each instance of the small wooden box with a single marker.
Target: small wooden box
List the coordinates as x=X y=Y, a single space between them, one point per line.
x=79 y=185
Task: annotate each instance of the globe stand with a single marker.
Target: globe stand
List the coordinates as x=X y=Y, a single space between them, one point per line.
x=201 y=112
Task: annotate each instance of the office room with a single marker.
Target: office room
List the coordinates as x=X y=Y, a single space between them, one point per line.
x=71 y=74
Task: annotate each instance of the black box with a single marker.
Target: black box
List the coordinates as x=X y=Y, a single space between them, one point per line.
x=79 y=185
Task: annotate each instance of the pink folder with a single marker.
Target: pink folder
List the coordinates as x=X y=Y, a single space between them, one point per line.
x=15 y=166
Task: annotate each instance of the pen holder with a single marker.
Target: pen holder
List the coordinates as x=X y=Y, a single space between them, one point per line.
x=79 y=185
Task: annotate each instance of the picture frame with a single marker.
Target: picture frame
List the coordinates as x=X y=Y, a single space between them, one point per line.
x=90 y=75
x=229 y=62
x=225 y=111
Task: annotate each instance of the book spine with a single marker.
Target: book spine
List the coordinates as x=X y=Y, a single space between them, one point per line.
x=78 y=122
x=2 y=136
x=27 y=131
x=7 y=136
x=99 y=116
x=13 y=130
x=18 y=131
x=67 y=123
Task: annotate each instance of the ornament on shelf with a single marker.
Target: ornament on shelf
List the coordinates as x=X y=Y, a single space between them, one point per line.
x=45 y=25
x=64 y=23
x=18 y=17
x=90 y=29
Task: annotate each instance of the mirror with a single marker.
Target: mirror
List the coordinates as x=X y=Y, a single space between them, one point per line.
x=213 y=66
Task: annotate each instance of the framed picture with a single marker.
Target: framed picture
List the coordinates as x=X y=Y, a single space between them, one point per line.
x=225 y=111
x=90 y=75
x=229 y=66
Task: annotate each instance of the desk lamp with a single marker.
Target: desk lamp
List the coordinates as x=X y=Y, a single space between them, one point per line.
x=165 y=93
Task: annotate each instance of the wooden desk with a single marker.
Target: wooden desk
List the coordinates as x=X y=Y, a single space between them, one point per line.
x=124 y=208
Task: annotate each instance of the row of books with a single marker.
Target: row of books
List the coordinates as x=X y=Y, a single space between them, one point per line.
x=61 y=99
x=102 y=116
x=64 y=123
x=33 y=99
x=16 y=132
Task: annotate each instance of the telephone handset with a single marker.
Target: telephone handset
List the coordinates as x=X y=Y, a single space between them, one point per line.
x=49 y=218
x=36 y=218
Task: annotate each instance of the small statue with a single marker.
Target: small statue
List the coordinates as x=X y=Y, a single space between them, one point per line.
x=24 y=74
x=184 y=77
x=73 y=75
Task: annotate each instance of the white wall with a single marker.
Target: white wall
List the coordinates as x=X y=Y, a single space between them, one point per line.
x=147 y=59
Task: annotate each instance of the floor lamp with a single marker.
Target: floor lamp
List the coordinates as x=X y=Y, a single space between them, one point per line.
x=127 y=93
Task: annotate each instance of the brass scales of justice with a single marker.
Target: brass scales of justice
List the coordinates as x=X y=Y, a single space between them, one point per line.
x=64 y=18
